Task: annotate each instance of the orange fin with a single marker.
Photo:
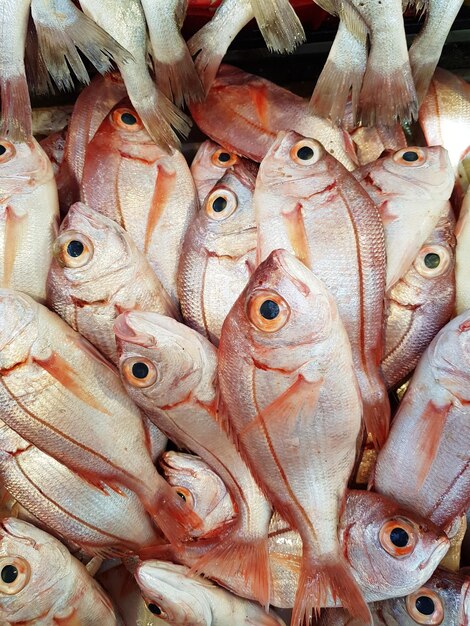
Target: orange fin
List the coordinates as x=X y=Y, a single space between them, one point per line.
x=14 y=227
x=429 y=436
x=166 y=179
x=297 y=234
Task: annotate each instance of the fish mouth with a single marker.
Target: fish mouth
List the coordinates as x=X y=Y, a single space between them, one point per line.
x=438 y=553
x=124 y=331
x=295 y=269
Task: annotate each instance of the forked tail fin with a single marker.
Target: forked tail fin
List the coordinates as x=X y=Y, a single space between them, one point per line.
x=279 y=24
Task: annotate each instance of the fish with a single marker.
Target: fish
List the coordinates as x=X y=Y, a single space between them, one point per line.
x=169 y=370
x=425 y=463
x=444 y=600
x=444 y=117
x=60 y=394
x=29 y=213
x=308 y=203
x=179 y=599
x=54 y=147
x=420 y=303
x=63 y=30
x=42 y=583
x=462 y=263
x=382 y=569
x=279 y=24
x=244 y=113
x=209 y=165
x=210 y=43
x=16 y=114
x=410 y=188
x=97 y=273
x=151 y=194
x=124 y=20
x=426 y=49
x=99 y=520
x=284 y=356
x=175 y=73
x=219 y=252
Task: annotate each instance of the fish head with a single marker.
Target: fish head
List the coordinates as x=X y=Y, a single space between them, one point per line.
x=211 y=162
x=172 y=595
x=200 y=487
x=19 y=328
x=92 y=255
x=163 y=362
x=33 y=566
x=393 y=550
x=24 y=166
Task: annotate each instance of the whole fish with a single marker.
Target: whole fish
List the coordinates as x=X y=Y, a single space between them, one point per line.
x=54 y=147
x=381 y=568
x=209 y=165
x=96 y=274
x=284 y=362
x=244 y=113
x=179 y=599
x=16 y=121
x=307 y=202
x=420 y=303
x=425 y=463
x=279 y=24
x=426 y=49
x=29 y=212
x=410 y=189
x=462 y=260
x=175 y=73
x=151 y=194
x=169 y=370
x=101 y=521
x=43 y=584
x=219 y=252
x=444 y=600
x=58 y=393
x=124 y=20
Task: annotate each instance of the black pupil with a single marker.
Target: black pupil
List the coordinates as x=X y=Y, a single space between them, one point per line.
x=2 y=150
x=75 y=248
x=425 y=605
x=181 y=495
x=269 y=309
x=399 y=537
x=9 y=574
x=219 y=204
x=224 y=157
x=432 y=260
x=129 y=119
x=140 y=370
x=156 y=610
x=305 y=153
x=410 y=156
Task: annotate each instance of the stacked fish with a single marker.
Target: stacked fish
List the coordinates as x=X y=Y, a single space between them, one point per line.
x=258 y=310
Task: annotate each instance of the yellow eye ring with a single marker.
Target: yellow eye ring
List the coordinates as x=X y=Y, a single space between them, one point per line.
x=306 y=152
x=425 y=607
x=224 y=158
x=398 y=537
x=267 y=311
x=72 y=249
x=221 y=204
x=7 y=151
x=413 y=156
x=139 y=371
x=15 y=573
x=126 y=119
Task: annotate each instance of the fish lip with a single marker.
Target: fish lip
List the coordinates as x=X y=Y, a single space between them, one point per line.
x=125 y=332
x=295 y=269
x=443 y=542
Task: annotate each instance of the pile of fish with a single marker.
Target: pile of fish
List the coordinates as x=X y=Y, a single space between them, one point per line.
x=242 y=384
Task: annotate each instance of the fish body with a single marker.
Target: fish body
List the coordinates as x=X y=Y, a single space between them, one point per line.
x=315 y=209
x=462 y=260
x=178 y=393
x=97 y=273
x=284 y=362
x=244 y=113
x=151 y=194
x=424 y=464
x=411 y=189
x=51 y=586
x=182 y=600
x=54 y=147
x=209 y=165
x=420 y=303
x=59 y=393
x=29 y=212
x=219 y=252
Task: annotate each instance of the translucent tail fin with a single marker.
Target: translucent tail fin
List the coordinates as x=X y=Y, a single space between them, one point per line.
x=209 y=56
x=377 y=417
x=279 y=24
x=179 y=80
x=16 y=108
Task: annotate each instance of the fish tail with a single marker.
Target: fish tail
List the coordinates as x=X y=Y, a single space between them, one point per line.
x=377 y=419
x=320 y=580
x=279 y=24
x=423 y=70
x=16 y=108
x=210 y=53
x=179 y=80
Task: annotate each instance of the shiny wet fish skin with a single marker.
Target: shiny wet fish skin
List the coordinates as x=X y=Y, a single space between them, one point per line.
x=209 y=165
x=462 y=261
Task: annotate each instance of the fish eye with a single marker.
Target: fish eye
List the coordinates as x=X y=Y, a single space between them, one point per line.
x=306 y=152
x=221 y=204
x=139 y=371
x=425 y=607
x=7 y=151
x=398 y=537
x=185 y=495
x=72 y=249
x=267 y=311
x=156 y=610
x=127 y=119
x=433 y=261
x=222 y=158
x=410 y=157
x=14 y=575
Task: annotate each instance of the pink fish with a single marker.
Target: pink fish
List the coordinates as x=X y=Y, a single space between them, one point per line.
x=209 y=165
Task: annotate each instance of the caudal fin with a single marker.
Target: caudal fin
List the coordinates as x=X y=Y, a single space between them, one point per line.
x=16 y=108
x=210 y=52
x=377 y=417
x=179 y=80
x=279 y=24
x=319 y=581
x=423 y=71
